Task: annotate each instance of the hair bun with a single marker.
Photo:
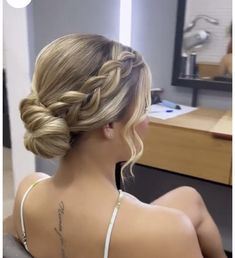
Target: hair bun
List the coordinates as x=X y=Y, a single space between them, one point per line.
x=47 y=136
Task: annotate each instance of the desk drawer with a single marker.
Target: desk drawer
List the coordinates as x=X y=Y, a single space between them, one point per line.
x=189 y=152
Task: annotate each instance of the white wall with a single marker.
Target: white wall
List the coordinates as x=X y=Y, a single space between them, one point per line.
x=49 y=20
x=18 y=84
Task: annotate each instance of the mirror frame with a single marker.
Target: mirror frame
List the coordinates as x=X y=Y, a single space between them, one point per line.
x=195 y=84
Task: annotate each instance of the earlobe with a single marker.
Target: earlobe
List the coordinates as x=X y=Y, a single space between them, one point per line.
x=110 y=135
x=108 y=131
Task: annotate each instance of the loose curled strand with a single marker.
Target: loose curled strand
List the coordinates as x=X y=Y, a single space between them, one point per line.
x=130 y=134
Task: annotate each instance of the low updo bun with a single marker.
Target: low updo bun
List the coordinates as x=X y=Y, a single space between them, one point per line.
x=47 y=136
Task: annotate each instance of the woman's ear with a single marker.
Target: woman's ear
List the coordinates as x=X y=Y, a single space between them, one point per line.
x=108 y=131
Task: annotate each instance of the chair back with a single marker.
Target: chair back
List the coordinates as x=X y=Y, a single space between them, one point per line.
x=12 y=248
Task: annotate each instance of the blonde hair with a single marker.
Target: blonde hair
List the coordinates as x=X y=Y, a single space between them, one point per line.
x=80 y=83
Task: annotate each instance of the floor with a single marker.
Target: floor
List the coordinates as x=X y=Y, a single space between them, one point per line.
x=8 y=192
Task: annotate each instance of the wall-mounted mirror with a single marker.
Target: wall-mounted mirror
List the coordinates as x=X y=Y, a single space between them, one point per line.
x=203 y=45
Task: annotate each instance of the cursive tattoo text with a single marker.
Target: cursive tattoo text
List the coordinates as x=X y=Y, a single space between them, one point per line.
x=59 y=229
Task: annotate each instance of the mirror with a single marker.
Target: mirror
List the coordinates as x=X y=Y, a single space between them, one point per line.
x=203 y=45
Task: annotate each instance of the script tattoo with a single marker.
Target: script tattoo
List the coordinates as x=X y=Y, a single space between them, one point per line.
x=59 y=229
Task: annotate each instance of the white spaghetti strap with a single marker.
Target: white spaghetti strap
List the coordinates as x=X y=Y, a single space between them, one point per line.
x=22 y=211
x=110 y=228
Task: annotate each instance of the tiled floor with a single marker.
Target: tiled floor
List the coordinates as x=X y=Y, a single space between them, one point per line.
x=8 y=192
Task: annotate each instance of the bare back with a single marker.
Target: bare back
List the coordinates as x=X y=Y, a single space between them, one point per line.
x=73 y=223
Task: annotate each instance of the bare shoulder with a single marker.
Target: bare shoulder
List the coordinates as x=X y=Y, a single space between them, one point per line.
x=174 y=229
x=26 y=183
x=22 y=188
x=29 y=180
x=162 y=232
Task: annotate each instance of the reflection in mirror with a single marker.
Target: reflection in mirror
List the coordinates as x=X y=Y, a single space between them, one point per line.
x=207 y=40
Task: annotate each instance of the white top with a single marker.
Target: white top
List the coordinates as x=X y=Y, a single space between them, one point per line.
x=110 y=227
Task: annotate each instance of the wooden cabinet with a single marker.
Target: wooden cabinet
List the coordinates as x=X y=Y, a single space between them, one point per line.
x=192 y=144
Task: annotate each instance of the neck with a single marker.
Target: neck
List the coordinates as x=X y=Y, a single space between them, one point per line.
x=89 y=165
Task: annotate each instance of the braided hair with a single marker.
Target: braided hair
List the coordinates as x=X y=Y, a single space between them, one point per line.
x=81 y=83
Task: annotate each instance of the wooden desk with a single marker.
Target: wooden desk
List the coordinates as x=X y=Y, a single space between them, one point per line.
x=223 y=127
x=189 y=145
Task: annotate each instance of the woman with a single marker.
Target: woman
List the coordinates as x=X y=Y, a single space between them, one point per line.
x=88 y=106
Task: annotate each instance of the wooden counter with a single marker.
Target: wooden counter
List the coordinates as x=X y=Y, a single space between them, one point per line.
x=191 y=144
